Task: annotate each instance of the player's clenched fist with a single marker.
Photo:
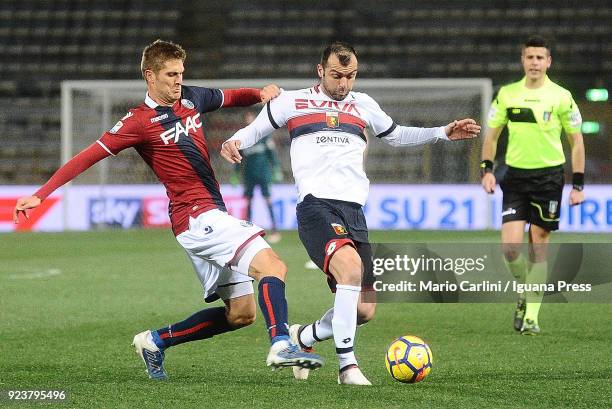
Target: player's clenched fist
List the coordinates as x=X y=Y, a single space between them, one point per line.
x=488 y=182
x=576 y=197
x=230 y=151
x=24 y=203
x=269 y=92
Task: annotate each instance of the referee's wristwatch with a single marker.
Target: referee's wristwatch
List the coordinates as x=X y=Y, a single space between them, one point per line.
x=486 y=166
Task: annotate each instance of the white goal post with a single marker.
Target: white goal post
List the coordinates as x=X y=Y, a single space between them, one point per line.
x=88 y=108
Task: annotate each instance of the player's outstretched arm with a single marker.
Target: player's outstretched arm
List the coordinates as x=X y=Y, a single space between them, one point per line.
x=75 y=166
x=242 y=97
x=462 y=129
x=399 y=135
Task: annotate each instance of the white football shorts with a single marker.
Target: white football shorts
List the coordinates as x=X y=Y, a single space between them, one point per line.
x=221 y=248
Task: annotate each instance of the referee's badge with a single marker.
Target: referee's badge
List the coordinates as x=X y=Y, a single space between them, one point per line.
x=552 y=208
x=547 y=115
x=332 y=119
x=338 y=228
x=575 y=118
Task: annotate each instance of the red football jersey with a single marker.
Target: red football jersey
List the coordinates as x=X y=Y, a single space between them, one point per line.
x=171 y=141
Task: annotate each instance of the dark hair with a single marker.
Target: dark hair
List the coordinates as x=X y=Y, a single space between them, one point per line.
x=155 y=55
x=342 y=50
x=537 y=41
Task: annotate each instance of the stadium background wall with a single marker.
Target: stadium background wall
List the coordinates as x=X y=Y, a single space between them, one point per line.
x=45 y=43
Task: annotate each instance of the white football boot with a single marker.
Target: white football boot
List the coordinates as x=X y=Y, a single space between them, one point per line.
x=298 y=372
x=152 y=356
x=351 y=375
x=284 y=353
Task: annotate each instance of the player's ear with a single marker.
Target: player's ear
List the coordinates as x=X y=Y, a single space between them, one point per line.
x=149 y=76
x=320 y=70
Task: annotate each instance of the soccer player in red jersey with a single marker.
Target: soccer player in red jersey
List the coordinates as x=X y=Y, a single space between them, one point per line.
x=227 y=253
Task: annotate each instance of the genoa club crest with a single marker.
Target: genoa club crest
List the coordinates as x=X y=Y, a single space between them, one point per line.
x=332 y=119
x=338 y=228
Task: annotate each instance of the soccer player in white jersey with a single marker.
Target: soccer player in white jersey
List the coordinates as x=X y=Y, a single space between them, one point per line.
x=327 y=124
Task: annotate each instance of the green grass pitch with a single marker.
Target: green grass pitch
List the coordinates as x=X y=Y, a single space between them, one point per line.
x=70 y=304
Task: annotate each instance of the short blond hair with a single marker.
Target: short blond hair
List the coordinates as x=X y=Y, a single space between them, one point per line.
x=155 y=55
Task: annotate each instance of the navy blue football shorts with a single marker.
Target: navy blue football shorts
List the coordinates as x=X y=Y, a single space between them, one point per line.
x=325 y=225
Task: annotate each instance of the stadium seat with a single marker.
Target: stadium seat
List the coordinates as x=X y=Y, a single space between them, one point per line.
x=44 y=43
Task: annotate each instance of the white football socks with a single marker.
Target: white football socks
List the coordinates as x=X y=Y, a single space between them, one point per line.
x=319 y=330
x=339 y=322
x=344 y=322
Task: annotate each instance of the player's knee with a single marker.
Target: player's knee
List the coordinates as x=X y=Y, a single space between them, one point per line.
x=539 y=235
x=277 y=268
x=511 y=251
x=365 y=312
x=538 y=252
x=538 y=247
x=349 y=277
x=241 y=319
x=267 y=263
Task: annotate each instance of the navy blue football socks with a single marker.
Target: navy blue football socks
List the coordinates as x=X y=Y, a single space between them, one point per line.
x=212 y=321
x=203 y=324
x=273 y=305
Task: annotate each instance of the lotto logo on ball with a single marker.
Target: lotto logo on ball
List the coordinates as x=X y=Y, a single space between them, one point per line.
x=408 y=359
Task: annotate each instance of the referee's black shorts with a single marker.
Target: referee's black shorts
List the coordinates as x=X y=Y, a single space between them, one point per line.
x=533 y=195
x=325 y=225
